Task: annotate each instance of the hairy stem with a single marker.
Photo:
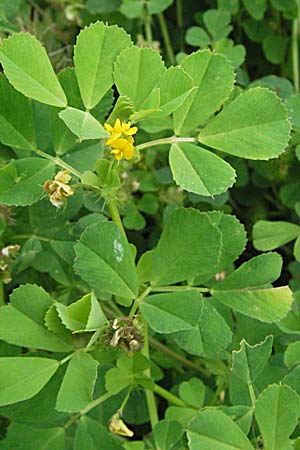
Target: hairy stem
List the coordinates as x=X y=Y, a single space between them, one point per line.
x=295 y=49
x=150 y=399
x=166 y=38
x=115 y=215
x=171 y=398
x=168 y=140
x=148 y=29
x=58 y=162
x=88 y=408
x=179 y=288
x=181 y=359
x=137 y=301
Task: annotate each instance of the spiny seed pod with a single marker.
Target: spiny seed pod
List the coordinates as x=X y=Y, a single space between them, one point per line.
x=124 y=333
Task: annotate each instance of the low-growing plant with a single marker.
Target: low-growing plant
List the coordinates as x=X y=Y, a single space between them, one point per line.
x=98 y=310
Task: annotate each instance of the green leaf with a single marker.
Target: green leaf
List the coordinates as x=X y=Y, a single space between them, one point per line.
x=22 y=321
x=167 y=433
x=209 y=337
x=268 y=235
x=277 y=411
x=102 y=6
x=256 y=272
x=16 y=119
x=174 y=87
x=132 y=8
x=21 y=181
x=137 y=82
x=95 y=52
x=28 y=68
x=253 y=126
x=200 y=171
x=213 y=77
x=23 y=377
x=267 y=305
x=256 y=8
x=217 y=23
x=83 y=315
x=157 y=6
x=233 y=241
x=197 y=37
x=62 y=138
x=292 y=354
x=274 y=47
x=189 y=246
x=192 y=392
x=80 y=378
x=168 y=313
x=293 y=105
x=105 y=261
x=212 y=429
x=33 y=438
x=83 y=124
x=248 y=363
x=92 y=435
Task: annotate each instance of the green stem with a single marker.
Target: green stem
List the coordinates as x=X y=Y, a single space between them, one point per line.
x=148 y=29
x=137 y=302
x=88 y=408
x=168 y=140
x=252 y=394
x=179 y=13
x=181 y=359
x=150 y=399
x=58 y=162
x=169 y=396
x=179 y=288
x=295 y=49
x=166 y=38
x=115 y=215
x=2 y=298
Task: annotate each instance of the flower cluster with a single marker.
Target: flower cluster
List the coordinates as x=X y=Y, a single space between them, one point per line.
x=58 y=190
x=121 y=139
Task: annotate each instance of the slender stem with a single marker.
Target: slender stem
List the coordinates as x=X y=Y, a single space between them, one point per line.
x=88 y=408
x=2 y=298
x=115 y=215
x=58 y=162
x=148 y=29
x=93 y=340
x=295 y=49
x=179 y=288
x=179 y=13
x=169 y=396
x=95 y=403
x=166 y=37
x=252 y=394
x=150 y=399
x=70 y=356
x=137 y=301
x=168 y=140
x=181 y=359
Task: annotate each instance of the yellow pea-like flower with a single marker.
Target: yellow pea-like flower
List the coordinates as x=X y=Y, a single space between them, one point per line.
x=121 y=139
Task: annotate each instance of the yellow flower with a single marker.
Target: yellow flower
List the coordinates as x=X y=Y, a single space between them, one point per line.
x=121 y=139
x=58 y=190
